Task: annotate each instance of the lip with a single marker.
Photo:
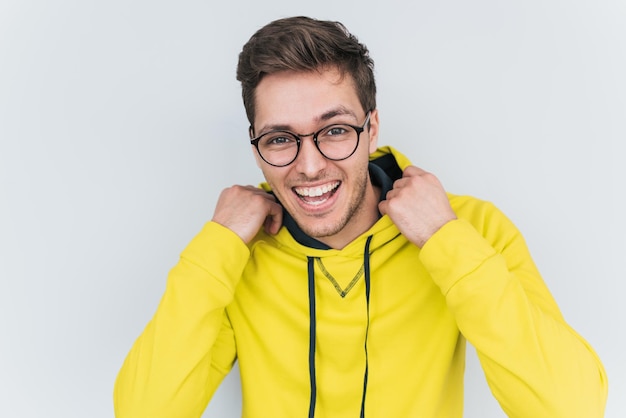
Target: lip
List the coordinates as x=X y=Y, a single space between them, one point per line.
x=317 y=199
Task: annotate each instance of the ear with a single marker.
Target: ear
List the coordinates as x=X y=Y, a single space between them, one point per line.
x=373 y=131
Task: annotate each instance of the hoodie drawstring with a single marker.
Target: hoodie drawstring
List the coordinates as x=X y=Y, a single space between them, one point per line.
x=312 y=327
x=311 y=270
x=366 y=268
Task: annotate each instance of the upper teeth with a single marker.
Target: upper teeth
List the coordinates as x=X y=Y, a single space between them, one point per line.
x=316 y=191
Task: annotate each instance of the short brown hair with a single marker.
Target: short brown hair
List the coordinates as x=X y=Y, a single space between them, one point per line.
x=304 y=44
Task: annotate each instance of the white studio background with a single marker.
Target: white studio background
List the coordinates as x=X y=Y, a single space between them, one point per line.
x=121 y=121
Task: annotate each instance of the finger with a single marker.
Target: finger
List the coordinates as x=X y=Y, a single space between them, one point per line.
x=382 y=207
x=400 y=185
x=391 y=193
x=274 y=219
x=413 y=171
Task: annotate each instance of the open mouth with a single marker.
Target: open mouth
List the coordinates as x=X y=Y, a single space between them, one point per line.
x=316 y=195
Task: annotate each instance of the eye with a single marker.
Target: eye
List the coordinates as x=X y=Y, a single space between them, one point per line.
x=277 y=139
x=336 y=133
x=336 y=130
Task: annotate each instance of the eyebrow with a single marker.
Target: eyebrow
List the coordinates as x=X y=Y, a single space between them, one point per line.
x=324 y=117
x=339 y=111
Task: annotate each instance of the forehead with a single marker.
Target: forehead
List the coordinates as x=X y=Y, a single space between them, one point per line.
x=296 y=98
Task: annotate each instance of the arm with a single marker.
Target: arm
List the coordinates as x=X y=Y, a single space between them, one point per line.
x=188 y=347
x=535 y=364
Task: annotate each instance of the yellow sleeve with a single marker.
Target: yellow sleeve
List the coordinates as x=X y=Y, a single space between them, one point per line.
x=536 y=365
x=188 y=347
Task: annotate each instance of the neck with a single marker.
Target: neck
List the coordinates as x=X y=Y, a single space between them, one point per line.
x=361 y=221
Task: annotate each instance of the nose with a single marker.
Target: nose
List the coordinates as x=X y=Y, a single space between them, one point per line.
x=310 y=160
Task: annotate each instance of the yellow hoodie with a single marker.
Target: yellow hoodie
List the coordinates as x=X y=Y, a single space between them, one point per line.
x=377 y=328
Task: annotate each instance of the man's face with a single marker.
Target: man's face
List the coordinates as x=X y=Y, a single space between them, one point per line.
x=332 y=201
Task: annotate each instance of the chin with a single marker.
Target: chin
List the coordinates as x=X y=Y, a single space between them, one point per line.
x=320 y=228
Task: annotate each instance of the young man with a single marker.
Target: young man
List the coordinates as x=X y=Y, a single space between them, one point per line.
x=349 y=283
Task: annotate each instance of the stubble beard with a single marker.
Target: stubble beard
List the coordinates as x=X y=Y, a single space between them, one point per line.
x=322 y=229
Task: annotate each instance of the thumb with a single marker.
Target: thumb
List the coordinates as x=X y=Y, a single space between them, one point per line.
x=413 y=171
x=382 y=207
x=274 y=219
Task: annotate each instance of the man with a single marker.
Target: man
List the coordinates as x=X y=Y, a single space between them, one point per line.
x=348 y=284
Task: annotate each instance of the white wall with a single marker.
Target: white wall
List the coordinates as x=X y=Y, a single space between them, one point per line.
x=121 y=121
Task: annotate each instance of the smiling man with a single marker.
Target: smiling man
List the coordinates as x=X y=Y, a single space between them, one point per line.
x=326 y=190
x=349 y=282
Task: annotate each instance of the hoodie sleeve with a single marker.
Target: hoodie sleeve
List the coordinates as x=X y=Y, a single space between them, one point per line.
x=188 y=347
x=536 y=365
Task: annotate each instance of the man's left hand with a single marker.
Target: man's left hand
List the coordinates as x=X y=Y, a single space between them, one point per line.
x=418 y=205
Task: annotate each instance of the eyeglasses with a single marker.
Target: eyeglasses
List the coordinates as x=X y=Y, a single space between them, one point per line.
x=335 y=142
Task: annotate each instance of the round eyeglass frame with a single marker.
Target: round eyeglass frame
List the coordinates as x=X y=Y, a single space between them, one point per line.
x=298 y=137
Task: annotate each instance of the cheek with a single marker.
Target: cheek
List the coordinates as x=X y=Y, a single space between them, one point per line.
x=273 y=177
x=257 y=158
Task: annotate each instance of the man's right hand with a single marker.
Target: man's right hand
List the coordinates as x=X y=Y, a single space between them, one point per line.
x=244 y=209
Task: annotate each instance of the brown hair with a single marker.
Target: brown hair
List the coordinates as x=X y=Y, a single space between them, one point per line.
x=304 y=44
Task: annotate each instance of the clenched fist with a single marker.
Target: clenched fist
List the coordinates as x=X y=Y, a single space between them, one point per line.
x=418 y=205
x=245 y=209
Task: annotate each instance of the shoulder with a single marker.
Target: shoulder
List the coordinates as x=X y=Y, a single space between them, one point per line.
x=488 y=220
